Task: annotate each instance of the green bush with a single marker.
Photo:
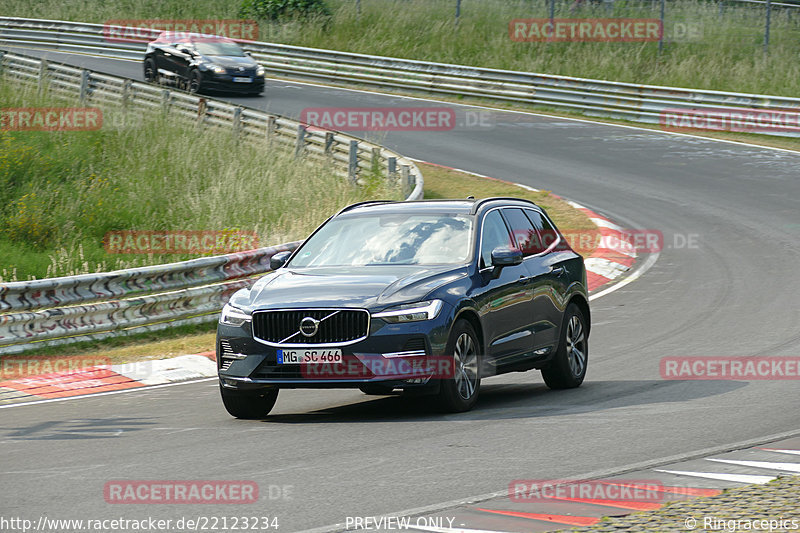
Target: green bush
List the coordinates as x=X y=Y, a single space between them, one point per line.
x=282 y=10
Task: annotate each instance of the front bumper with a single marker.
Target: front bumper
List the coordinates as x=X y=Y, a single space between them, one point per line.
x=224 y=82
x=407 y=355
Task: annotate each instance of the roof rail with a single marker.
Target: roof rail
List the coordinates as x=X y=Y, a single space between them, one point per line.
x=367 y=202
x=479 y=203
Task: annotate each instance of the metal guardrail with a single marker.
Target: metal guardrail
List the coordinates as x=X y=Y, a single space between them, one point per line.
x=91 y=306
x=609 y=99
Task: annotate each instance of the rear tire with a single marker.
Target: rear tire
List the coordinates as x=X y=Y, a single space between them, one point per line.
x=460 y=392
x=150 y=71
x=248 y=404
x=568 y=368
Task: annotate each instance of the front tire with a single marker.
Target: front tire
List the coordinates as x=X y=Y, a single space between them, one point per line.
x=568 y=368
x=248 y=404
x=459 y=392
x=195 y=82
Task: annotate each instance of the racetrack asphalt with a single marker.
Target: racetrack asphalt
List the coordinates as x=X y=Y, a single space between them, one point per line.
x=730 y=292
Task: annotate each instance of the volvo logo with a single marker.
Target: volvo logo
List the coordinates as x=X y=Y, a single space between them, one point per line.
x=309 y=326
x=241 y=69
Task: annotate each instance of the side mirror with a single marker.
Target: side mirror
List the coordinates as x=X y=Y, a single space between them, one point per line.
x=503 y=257
x=248 y=54
x=278 y=260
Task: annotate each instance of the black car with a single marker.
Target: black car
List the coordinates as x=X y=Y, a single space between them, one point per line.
x=199 y=62
x=427 y=295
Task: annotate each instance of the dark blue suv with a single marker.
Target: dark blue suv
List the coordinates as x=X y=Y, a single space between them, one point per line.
x=429 y=295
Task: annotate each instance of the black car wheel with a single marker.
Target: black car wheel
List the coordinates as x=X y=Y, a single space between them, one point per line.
x=150 y=71
x=247 y=404
x=460 y=392
x=569 y=366
x=194 y=82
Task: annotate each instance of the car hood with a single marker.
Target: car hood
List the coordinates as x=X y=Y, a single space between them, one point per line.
x=363 y=287
x=232 y=61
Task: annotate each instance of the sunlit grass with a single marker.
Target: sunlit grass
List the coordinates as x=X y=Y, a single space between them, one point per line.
x=723 y=50
x=61 y=192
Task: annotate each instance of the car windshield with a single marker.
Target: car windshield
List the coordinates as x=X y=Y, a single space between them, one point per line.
x=218 y=48
x=389 y=239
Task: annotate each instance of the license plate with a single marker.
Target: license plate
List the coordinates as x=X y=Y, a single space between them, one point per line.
x=309 y=357
x=242 y=80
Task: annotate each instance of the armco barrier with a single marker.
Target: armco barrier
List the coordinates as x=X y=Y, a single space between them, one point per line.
x=91 y=306
x=627 y=101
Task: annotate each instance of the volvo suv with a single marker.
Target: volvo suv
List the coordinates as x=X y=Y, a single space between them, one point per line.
x=432 y=296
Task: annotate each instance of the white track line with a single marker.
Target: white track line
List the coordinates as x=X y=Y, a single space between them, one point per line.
x=736 y=478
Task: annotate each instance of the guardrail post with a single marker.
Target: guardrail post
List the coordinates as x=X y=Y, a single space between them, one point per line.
x=300 y=141
x=661 y=38
x=202 y=111
x=329 y=143
x=126 y=93
x=165 y=97
x=2 y=61
x=375 y=162
x=42 y=75
x=352 y=166
x=84 y=86
x=405 y=177
x=237 y=122
x=391 y=168
x=271 y=126
x=766 y=27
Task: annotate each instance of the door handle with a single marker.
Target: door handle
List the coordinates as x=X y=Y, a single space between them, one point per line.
x=559 y=271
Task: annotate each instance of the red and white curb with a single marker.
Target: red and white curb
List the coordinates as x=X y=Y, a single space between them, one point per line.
x=613 y=256
x=105 y=378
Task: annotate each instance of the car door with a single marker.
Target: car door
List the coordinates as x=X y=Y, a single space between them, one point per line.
x=503 y=300
x=552 y=267
x=541 y=309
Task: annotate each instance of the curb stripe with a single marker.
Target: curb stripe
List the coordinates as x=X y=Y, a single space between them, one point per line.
x=557 y=518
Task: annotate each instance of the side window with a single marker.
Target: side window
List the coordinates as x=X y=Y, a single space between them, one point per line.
x=495 y=235
x=547 y=233
x=524 y=232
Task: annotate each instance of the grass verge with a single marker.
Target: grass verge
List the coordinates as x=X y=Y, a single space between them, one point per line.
x=61 y=193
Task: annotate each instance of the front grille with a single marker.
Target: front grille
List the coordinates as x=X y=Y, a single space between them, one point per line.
x=234 y=71
x=336 y=326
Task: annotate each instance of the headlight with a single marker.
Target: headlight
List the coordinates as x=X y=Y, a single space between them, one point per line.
x=411 y=312
x=216 y=69
x=231 y=316
x=260 y=71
